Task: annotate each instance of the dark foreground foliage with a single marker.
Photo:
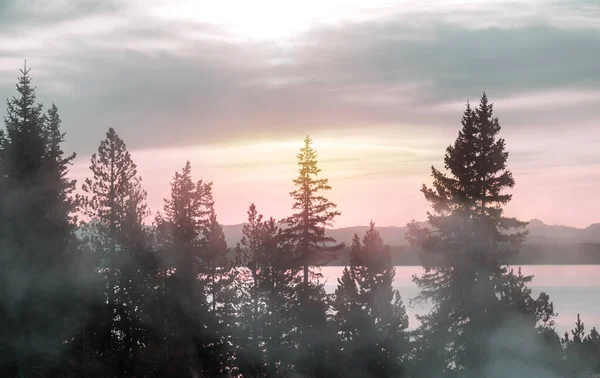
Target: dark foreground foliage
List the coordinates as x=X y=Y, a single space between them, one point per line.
x=116 y=297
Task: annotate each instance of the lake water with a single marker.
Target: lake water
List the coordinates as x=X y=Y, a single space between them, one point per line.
x=573 y=289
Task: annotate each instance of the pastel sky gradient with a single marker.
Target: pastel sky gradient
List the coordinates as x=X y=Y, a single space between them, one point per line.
x=380 y=85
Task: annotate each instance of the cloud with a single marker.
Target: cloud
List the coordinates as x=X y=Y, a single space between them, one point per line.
x=173 y=81
x=456 y=61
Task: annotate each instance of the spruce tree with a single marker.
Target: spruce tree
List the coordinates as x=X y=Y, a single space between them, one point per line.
x=581 y=355
x=61 y=203
x=115 y=204
x=305 y=229
x=185 y=220
x=267 y=284
x=190 y=325
x=58 y=187
x=279 y=282
x=304 y=235
x=38 y=248
x=370 y=316
x=249 y=259
x=465 y=249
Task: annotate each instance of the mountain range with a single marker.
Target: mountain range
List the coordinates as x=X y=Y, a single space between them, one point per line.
x=540 y=233
x=545 y=244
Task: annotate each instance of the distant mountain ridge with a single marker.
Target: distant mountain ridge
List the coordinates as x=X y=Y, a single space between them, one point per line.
x=539 y=233
x=546 y=244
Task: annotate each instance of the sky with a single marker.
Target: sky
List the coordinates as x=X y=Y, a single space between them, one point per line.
x=380 y=86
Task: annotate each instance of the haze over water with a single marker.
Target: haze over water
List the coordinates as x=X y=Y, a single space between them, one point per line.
x=573 y=289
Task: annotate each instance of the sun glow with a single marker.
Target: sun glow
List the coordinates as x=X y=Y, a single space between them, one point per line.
x=282 y=20
x=268 y=19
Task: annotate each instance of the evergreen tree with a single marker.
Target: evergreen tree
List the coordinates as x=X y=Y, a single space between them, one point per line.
x=58 y=188
x=574 y=350
x=250 y=260
x=38 y=249
x=267 y=286
x=465 y=249
x=190 y=325
x=369 y=313
x=279 y=282
x=581 y=351
x=304 y=234
x=61 y=202
x=305 y=229
x=220 y=275
x=140 y=281
x=115 y=205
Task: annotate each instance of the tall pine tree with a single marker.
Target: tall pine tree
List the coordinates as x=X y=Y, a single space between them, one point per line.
x=38 y=248
x=465 y=249
x=115 y=205
x=304 y=235
x=190 y=325
x=305 y=229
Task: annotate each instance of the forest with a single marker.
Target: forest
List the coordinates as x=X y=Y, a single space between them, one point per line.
x=94 y=285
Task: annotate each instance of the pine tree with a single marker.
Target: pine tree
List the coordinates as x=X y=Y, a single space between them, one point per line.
x=305 y=229
x=219 y=273
x=279 y=282
x=185 y=221
x=267 y=284
x=61 y=203
x=304 y=234
x=190 y=325
x=58 y=188
x=250 y=260
x=574 y=361
x=466 y=246
x=36 y=234
x=581 y=354
x=369 y=313
x=592 y=343
x=115 y=204
x=140 y=281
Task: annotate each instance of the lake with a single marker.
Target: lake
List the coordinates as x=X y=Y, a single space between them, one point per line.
x=573 y=289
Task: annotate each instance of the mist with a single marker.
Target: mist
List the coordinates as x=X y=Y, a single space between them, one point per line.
x=96 y=284
x=299 y=190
